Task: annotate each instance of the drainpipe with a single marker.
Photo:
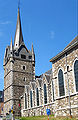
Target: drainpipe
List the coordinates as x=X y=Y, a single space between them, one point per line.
x=68 y=87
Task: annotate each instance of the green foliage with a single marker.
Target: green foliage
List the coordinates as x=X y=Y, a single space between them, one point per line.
x=46 y=118
x=52 y=114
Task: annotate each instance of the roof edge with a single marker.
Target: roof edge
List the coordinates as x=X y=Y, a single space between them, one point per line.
x=65 y=49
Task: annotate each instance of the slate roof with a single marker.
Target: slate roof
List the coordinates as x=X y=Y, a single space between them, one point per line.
x=72 y=42
x=18 y=34
x=71 y=45
x=48 y=72
x=48 y=78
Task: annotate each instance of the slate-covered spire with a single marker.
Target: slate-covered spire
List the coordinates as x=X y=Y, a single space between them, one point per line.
x=18 y=34
x=33 y=55
x=32 y=49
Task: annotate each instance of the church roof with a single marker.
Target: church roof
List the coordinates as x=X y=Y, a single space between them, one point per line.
x=18 y=34
x=49 y=71
x=71 y=45
x=72 y=42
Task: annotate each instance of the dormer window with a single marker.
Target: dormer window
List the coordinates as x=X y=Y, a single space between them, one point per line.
x=30 y=57
x=23 y=56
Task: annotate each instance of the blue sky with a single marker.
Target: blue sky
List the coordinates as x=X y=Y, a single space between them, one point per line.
x=49 y=24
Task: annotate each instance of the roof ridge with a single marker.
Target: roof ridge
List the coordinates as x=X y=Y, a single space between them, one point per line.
x=75 y=39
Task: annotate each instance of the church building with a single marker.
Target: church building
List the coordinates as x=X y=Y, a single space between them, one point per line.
x=30 y=95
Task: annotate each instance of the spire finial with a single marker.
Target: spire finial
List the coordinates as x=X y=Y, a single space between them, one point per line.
x=19 y=4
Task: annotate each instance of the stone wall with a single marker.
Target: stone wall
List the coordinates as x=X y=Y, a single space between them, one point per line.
x=8 y=88
x=15 y=79
x=60 y=105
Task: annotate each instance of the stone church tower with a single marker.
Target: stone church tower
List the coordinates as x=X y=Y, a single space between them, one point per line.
x=19 y=70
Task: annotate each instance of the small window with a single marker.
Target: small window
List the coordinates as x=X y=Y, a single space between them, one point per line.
x=67 y=68
x=23 y=56
x=16 y=44
x=30 y=57
x=24 y=79
x=24 y=67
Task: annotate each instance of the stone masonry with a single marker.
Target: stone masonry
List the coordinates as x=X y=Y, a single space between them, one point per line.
x=59 y=105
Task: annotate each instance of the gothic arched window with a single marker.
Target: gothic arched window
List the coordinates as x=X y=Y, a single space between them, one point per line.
x=61 y=83
x=31 y=98
x=25 y=101
x=37 y=94
x=45 y=94
x=53 y=90
x=76 y=74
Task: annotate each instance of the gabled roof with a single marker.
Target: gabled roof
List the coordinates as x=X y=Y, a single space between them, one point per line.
x=22 y=44
x=48 y=78
x=72 y=42
x=71 y=45
x=49 y=72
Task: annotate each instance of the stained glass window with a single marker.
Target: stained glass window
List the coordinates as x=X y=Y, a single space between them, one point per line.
x=37 y=94
x=45 y=94
x=53 y=90
x=31 y=98
x=61 y=83
x=25 y=101
x=76 y=74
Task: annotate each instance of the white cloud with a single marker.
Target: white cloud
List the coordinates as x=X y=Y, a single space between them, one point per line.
x=52 y=34
x=6 y=22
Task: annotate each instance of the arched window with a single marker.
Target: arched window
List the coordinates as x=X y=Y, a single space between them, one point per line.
x=25 y=101
x=45 y=94
x=37 y=94
x=53 y=90
x=61 y=83
x=31 y=98
x=76 y=74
